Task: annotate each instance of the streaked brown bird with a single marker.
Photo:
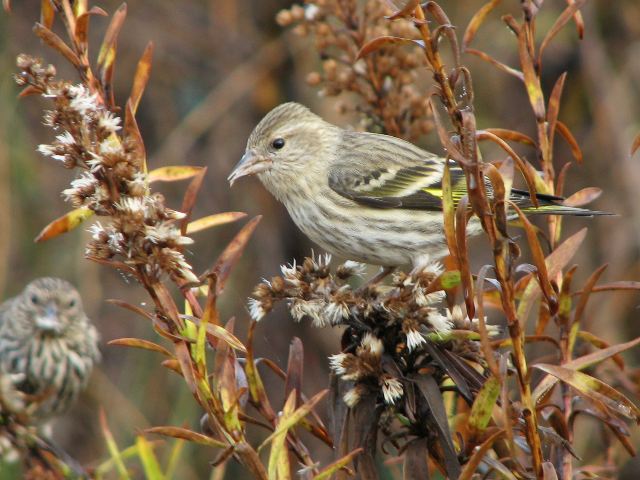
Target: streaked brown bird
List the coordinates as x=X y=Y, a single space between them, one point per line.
x=46 y=337
x=363 y=196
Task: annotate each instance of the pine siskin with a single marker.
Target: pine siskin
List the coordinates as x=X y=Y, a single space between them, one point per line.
x=363 y=196
x=47 y=340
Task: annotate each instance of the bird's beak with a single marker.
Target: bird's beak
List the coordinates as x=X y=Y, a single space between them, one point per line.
x=49 y=320
x=249 y=164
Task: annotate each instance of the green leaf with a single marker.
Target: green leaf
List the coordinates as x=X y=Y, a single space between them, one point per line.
x=149 y=461
x=482 y=408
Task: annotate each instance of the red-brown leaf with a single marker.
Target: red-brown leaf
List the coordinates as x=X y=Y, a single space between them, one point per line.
x=384 y=42
x=232 y=253
x=563 y=130
x=55 y=42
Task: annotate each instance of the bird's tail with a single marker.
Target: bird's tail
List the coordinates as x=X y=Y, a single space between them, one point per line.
x=549 y=205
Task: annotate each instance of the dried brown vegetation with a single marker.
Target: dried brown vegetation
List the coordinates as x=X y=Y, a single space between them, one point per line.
x=413 y=382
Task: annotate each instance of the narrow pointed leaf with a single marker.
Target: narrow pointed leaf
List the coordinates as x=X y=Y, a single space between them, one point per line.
x=582 y=363
x=482 y=408
x=287 y=422
x=186 y=434
x=474 y=460
x=141 y=77
x=214 y=220
x=506 y=134
x=564 y=131
x=114 y=451
x=406 y=10
x=55 y=42
x=384 y=42
x=555 y=262
x=594 y=389
x=583 y=197
x=173 y=173
x=63 y=224
x=220 y=332
x=327 y=472
x=232 y=253
x=149 y=460
x=107 y=54
x=476 y=21
x=560 y=22
x=140 y=343
x=499 y=65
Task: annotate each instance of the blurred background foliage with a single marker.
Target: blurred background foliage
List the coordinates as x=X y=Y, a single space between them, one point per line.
x=219 y=65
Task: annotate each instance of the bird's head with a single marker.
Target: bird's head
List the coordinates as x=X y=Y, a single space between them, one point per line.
x=51 y=305
x=287 y=144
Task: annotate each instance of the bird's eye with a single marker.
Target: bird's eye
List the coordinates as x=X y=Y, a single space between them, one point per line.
x=35 y=300
x=278 y=143
x=72 y=303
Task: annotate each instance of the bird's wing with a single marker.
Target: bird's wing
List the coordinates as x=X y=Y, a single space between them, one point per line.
x=387 y=172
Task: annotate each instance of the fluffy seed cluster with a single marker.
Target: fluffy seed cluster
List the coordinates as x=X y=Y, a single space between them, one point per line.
x=386 y=324
x=385 y=81
x=112 y=180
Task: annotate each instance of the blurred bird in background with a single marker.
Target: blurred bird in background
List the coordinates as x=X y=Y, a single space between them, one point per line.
x=367 y=197
x=48 y=345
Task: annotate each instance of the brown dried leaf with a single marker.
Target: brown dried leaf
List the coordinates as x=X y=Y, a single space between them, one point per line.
x=593 y=389
x=586 y=293
x=472 y=464
x=384 y=42
x=583 y=197
x=499 y=65
x=141 y=77
x=135 y=142
x=256 y=387
x=186 y=366
x=560 y=22
x=81 y=32
x=405 y=11
x=563 y=130
x=185 y=434
x=140 y=343
x=132 y=308
x=295 y=367
x=538 y=260
x=232 y=253
x=107 y=54
x=463 y=258
x=476 y=21
x=63 y=224
x=506 y=134
x=55 y=42
x=582 y=363
x=553 y=108
x=189 y=200
x=528 y=173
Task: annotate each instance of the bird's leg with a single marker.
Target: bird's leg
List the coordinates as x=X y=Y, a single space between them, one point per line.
x=376 y=279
